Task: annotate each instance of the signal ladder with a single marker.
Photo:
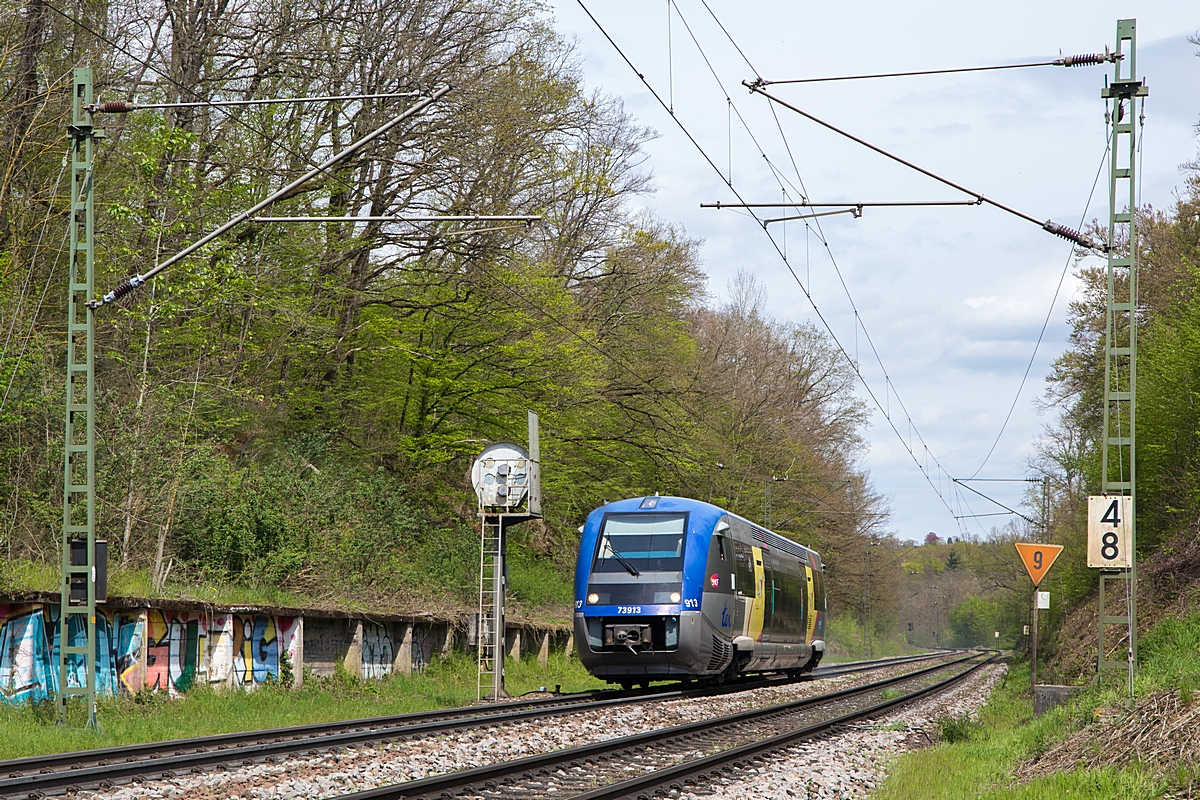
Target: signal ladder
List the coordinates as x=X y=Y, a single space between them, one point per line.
x=490 y=642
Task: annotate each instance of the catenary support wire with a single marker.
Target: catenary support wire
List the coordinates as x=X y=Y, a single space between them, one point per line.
x=1083 y=60
x=1047 y=225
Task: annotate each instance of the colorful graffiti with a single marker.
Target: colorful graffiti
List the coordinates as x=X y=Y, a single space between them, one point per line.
x=29 y=652
x=131 y=650
x=161 y=650
x=175 y=650
x=26 y=671
x=253 y=644
x=377 y=651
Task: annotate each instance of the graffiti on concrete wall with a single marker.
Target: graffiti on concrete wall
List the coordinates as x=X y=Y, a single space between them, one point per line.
x=377 y=651
x=106 y=656
x=29 y=642
x=422 y=647
x=176 y=647
x=26 y=672
x=326 y=642
x=172 y=651
x=131 y=650
x=255 y=644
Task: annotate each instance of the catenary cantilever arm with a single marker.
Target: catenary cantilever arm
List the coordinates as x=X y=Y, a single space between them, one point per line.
x=1069 y=234
x=137 y=280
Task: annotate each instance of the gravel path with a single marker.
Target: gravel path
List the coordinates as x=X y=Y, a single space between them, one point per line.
x=850 y=764
x=332 y=774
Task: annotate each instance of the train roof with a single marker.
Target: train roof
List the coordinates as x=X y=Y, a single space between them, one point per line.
x=669 y=503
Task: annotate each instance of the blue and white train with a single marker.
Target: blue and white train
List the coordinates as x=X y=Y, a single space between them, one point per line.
x=671 y=588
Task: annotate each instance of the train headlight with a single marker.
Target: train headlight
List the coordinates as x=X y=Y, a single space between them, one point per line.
x=674 y=597
x=593 y=598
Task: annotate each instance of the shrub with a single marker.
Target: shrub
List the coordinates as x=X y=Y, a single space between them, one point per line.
x=957 y=729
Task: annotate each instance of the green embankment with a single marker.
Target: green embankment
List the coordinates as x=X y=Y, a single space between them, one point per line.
x=977 y=760
x=849 y=641
x=152 y=717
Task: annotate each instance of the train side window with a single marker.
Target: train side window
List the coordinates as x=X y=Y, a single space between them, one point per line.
x=819 y=588
x=743 y=563
x=721 y=547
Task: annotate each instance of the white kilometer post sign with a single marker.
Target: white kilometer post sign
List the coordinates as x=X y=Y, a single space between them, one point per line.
x=1108 y=531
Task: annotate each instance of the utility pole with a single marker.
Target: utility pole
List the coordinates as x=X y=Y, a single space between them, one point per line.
x=1118 y=462
x=77 y=601
x=1045 y=509
x=767 y=499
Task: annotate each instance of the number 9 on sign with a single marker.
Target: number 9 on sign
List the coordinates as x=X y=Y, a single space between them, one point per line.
x=1109 y=523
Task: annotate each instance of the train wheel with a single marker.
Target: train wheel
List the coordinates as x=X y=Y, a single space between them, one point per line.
x=626 y=685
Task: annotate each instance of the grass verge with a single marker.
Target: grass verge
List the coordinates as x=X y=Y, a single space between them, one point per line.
x=977 y=759
x=151 y=717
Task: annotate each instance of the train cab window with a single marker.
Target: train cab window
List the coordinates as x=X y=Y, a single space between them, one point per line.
x=637 y=543
x=721 y=548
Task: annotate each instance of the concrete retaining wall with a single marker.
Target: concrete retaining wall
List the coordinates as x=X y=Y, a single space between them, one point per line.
x=171 y=646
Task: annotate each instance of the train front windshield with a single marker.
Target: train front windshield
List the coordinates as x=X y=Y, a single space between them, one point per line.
x=639 y=559
x=644 y=542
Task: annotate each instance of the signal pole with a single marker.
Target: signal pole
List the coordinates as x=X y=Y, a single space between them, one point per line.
x=79 y=442
x=1118 y=461
x=508 y=484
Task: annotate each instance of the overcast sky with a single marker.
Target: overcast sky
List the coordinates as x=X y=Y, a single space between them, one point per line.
x=952 y=298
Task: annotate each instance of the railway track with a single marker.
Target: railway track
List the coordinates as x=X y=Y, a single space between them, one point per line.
x=40 y=776
x=677 y=757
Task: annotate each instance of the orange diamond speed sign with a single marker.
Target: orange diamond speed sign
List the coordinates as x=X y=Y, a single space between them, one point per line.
x=1037 y=558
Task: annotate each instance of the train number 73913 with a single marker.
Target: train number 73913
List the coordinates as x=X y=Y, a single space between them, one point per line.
x=629 y=609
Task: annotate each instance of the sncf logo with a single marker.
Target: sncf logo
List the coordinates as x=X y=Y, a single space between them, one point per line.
x=715 y=580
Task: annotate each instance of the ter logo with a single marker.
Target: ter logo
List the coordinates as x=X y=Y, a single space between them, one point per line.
x=715 y=580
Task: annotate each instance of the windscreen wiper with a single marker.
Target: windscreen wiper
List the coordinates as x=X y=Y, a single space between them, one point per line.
x=630 y=568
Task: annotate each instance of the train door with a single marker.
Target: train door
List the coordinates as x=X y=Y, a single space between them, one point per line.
x=758 y=608
x=787 y=621
x=770 y=585
x=820 y=600
x=745 y=589
x=810 y=608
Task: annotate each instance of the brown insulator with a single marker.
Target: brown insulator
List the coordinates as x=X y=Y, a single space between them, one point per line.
x=1085 y=60
x=1070 y=234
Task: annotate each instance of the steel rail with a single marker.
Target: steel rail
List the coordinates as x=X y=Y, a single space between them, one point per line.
x=469 y=781
x=475 y=712
x=107 y=766
x=742 y=756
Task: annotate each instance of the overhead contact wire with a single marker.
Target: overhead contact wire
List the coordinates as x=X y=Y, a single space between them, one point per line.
x=704 y=154
x=889 y=385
